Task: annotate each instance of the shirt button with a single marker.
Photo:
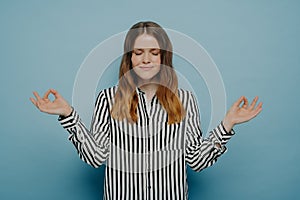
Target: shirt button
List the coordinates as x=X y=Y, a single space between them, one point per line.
x=80 y=136
x=149 y=187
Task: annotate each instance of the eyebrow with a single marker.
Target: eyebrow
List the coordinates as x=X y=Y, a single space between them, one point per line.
x=142 y=49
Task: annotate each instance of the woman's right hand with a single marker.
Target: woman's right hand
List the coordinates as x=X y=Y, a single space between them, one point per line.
x=59 y=106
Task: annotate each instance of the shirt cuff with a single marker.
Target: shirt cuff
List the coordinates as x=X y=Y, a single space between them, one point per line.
x=218 y=147
x=222 y=135
x=70 y=120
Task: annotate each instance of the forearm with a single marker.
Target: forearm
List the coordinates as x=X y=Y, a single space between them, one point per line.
x=205 y=152
x=83 y=140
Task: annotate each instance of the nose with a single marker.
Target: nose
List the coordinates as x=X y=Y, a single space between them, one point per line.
x=146 y=58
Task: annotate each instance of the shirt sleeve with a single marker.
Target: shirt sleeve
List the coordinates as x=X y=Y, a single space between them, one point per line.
x=203 y=152
x=92 y=145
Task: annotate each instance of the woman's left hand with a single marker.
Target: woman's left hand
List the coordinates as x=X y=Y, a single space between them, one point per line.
x=239 y=114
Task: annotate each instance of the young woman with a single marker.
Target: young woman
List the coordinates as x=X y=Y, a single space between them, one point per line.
x=145 y=128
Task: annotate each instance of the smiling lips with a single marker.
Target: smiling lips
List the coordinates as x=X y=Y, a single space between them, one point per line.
x=146 y=68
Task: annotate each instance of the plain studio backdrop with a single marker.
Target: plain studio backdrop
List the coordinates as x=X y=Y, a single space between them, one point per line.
x=255 y=46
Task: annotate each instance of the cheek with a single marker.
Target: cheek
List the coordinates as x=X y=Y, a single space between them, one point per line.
x=134 y=61
x=157 y=60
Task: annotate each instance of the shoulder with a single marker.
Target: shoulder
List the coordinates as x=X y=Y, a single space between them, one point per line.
x=189 y=100
x=111 y=91
x=107 y=94
x=186 y=96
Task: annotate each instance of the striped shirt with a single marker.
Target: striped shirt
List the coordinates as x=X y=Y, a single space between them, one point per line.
x=145 y=160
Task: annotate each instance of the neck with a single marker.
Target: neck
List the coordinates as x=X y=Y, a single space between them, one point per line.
x=150 y=90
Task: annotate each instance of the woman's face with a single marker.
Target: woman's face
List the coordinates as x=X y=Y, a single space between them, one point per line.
x=146 y=57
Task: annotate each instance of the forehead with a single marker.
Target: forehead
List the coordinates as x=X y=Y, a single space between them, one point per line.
x=146 y=41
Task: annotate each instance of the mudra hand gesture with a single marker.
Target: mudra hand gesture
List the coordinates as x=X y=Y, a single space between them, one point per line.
x=239 y=114
x=59 y=106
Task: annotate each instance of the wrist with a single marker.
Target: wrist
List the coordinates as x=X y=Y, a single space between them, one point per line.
x=228 y=124
x=67 y=111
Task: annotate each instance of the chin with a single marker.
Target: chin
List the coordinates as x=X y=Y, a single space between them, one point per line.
x=148 y=79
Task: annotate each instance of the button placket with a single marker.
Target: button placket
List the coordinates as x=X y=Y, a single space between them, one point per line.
x=147 y=112
x=80 y=136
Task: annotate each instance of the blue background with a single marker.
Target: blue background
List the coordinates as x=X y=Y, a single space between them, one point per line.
x=255 y=45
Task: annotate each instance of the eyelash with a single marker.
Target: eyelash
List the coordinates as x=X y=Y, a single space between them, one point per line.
x=155 y=54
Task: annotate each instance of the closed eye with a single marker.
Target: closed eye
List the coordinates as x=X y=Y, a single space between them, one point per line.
x=155 y=52
x=137 y=52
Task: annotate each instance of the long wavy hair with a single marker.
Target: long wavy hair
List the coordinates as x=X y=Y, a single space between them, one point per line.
x=126 y=99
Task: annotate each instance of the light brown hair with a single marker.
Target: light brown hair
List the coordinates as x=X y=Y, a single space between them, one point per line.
x=126 y=99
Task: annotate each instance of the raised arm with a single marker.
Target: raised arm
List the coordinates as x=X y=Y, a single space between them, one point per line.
x=92 y=145
x=203 y=152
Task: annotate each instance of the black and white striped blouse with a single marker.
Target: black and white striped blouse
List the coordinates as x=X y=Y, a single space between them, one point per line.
x=146 y=160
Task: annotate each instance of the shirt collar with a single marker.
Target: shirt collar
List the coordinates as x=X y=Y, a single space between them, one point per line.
x=139 y=91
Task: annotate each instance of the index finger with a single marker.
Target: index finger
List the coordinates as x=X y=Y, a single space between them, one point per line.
x=47 y=94
x=55 y=93
x=245 y=104
x=239 y=101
